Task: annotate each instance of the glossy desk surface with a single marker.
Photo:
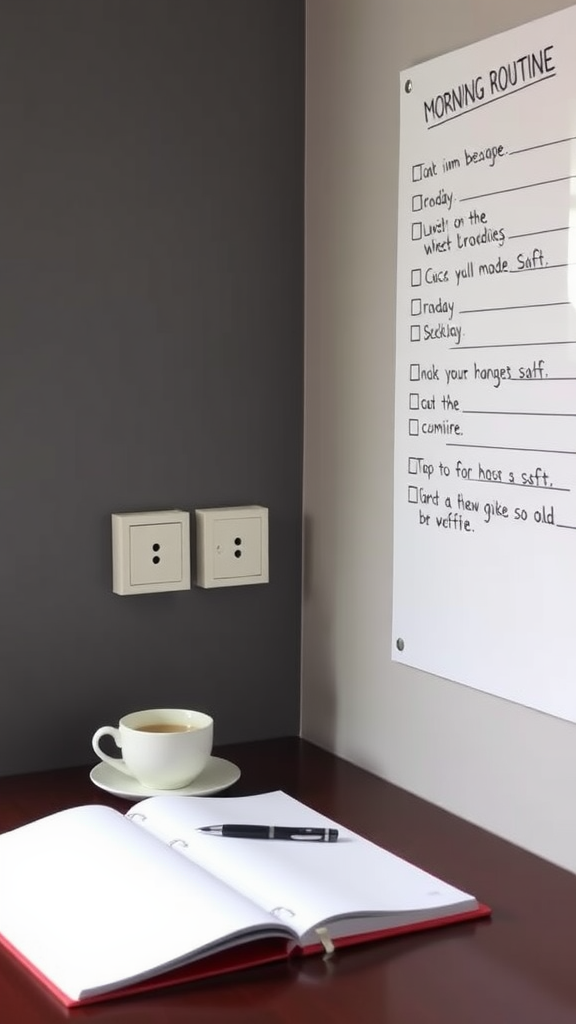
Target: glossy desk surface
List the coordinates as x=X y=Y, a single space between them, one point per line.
x=517 y=968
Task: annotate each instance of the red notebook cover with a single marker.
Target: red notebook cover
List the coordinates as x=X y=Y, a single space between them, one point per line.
x=238 y=958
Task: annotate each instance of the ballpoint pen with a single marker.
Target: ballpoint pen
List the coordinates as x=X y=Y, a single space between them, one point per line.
x=317 y=835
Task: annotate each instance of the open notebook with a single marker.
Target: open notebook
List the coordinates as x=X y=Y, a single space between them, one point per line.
x=99 y=904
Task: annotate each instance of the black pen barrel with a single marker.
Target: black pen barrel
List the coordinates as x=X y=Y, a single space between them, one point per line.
x=246 y=831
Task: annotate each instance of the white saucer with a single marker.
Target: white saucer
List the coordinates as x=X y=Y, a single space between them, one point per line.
x=218 y=774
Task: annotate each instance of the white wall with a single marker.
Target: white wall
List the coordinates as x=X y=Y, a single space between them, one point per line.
x=505 y=767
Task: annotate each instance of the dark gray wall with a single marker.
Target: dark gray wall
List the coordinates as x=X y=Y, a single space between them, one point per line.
x=151 y=348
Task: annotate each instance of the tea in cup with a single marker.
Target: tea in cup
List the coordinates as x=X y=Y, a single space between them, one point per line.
x=162 y=748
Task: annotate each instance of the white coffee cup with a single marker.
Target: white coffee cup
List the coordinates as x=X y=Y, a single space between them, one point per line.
x=163 y=748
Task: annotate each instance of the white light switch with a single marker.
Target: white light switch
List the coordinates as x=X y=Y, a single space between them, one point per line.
x=150 y=552
x=231 y=546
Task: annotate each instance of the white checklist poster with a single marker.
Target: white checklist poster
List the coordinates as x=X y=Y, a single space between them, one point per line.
x=485 y=422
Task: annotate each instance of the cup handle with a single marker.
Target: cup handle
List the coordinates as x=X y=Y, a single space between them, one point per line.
x=115 y=762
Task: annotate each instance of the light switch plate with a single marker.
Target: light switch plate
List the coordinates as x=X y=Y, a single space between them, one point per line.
x=231 y=546
x=150 y=552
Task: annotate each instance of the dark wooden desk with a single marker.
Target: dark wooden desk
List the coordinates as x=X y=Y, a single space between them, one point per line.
x=518 y=968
